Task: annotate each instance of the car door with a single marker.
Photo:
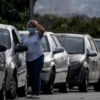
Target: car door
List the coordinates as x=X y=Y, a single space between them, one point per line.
x=22 y=60
x=58 y=61
x=2 y=67
x=95 y=59
x=4 y=40
x=64 y=58
x=17 y=57
x=90 y=60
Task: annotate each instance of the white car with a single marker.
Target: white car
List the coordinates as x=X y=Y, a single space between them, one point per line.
x=56 y=64
x=13 y=72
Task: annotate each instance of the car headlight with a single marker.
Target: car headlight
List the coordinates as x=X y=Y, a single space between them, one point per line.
x=75 y=63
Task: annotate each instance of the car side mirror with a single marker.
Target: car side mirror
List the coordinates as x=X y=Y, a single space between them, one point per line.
x=21 y=48
x=92 y=53
x=58 y=50
x=2 y=48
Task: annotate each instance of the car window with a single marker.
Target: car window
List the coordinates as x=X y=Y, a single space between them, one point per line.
x=61 y=39
x=88 y=45
x=22 y=35
x=57 y=41
x=45 y=44
x=53 y=42
x=93 y=45
x=18 y=35
x=5 y=38
x=98 y=44
x=15 y=39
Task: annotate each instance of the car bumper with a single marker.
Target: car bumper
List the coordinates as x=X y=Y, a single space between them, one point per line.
x=76 y=74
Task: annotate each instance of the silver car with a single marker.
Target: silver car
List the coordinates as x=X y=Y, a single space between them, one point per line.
x=13 y=73
x=56 y=64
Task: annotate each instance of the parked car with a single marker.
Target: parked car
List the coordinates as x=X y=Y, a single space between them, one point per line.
x=84 y=60
x=2 y=75
x=56 y=64
x=13 y=73
x=98 y=43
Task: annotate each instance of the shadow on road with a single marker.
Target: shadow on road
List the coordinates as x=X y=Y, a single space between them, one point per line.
x=74 y=90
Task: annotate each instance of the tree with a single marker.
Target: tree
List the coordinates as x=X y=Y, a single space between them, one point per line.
x=13 y=10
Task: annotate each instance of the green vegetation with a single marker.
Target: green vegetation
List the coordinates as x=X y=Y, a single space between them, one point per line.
x=77 y=23
x=16 y=12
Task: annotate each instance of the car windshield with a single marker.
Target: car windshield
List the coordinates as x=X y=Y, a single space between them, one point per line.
x=22 y=35
x=5 y=38
x=45 y=44
x=73 y=45
x=98 y=44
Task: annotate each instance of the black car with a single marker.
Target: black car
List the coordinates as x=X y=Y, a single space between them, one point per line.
x=84 y=60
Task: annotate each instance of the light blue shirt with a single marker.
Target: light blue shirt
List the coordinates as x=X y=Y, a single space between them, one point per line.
x=34 y=46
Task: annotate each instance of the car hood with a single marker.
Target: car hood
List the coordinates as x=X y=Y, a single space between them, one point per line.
x=76 y=57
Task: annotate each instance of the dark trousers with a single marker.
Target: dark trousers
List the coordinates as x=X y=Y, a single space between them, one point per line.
x=34 y=69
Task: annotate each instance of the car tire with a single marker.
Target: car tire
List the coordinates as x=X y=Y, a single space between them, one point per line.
x=22 y=91
x=63 y=88
x=3 y=91
x=48 y=89
x=97 y=86
x=11 y=94
x=83 y=87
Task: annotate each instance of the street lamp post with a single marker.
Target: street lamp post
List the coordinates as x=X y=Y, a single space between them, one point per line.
x=31 y=9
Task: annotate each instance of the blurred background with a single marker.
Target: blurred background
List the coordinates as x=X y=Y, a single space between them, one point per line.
x=55 y=15
x=66 y=8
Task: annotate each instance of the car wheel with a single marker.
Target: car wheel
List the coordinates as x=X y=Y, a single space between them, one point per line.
x=22 y=91
x=63 y=88
x=11 y=94
x=48 y=89
x=97 y=86
x=3 y=91
x=84 y=86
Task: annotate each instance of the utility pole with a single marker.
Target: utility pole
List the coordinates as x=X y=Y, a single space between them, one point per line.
x=31 y=9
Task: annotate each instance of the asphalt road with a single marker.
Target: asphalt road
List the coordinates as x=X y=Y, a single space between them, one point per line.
x=72 y=95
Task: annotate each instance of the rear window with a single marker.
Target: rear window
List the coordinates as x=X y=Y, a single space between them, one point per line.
x=5 y=38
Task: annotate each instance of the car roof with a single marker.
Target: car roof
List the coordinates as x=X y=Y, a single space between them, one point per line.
x=72 y=35
x=5 y=26
x=23 y=32
x=26 y=32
